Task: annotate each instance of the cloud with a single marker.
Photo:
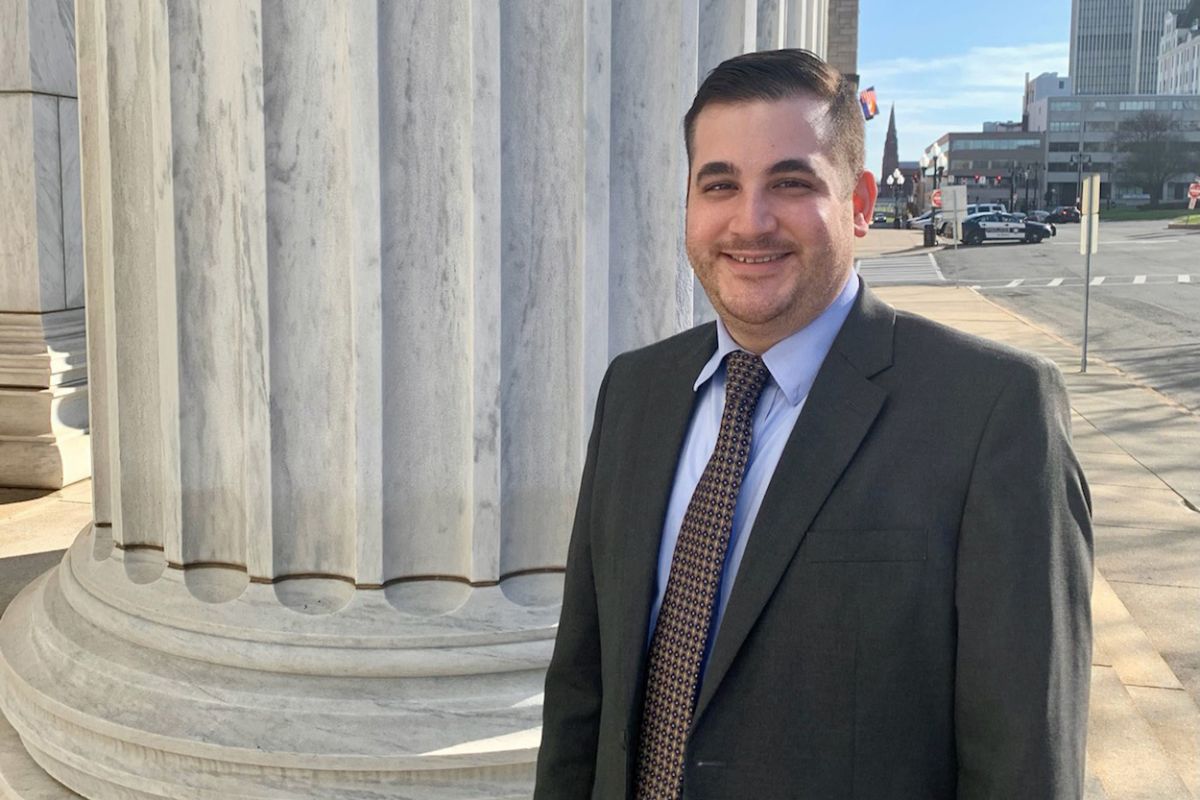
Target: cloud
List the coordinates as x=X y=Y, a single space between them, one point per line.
x=999 y=67
x=952 y=92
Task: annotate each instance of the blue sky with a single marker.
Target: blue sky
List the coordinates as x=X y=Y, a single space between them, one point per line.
x=950 y=67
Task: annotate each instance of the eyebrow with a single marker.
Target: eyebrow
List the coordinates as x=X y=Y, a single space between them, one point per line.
x=714 y=168
x=792 y=165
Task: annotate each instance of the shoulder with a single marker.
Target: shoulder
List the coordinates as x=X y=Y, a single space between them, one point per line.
x=969 y=364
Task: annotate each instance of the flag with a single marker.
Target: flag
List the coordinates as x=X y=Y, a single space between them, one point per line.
x=870 y=106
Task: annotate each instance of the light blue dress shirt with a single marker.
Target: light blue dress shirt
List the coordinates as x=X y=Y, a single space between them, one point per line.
x=793 y=363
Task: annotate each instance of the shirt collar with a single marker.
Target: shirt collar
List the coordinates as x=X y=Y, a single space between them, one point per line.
x=794 y=361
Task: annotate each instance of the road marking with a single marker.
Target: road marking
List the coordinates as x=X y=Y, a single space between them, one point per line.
x=1107 y=281
x=903 y=268
x=1118 y=242
x=936 y=268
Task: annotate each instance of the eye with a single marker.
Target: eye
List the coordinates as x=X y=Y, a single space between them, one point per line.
x=718 y=186
x=793 y=183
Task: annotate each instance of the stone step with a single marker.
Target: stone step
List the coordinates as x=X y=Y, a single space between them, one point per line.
x=1123 y=751
x=1144 y=733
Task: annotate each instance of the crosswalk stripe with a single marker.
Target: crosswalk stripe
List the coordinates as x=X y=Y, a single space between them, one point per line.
x=1114 y=281
x=936 y=268
x=912 y=268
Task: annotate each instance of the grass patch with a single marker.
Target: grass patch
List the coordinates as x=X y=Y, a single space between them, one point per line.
x=1130 y=214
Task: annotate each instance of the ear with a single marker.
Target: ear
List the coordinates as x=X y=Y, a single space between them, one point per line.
x=864 y=195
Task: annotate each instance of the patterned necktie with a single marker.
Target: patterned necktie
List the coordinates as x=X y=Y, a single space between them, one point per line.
x=677 y=646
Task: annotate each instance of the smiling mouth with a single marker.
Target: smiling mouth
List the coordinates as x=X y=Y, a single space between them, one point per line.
x=764 y=259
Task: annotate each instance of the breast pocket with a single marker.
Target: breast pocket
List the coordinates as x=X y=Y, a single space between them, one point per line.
x=856 y=545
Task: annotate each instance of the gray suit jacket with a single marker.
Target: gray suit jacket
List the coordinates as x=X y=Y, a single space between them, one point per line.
x=911 y=617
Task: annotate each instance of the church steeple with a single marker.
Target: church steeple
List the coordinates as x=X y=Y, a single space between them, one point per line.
x=891 y=150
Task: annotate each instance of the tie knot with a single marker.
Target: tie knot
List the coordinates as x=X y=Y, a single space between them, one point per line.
x=745 y=375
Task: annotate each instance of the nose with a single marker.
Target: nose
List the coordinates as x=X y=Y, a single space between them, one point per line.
x=753 y=217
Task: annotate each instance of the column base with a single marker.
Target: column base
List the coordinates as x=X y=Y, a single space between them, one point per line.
x=20 y=776
x=44 y=462
x=123 y=690
x=43 y=400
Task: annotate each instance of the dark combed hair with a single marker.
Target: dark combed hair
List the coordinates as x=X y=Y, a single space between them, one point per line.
x=783 y=74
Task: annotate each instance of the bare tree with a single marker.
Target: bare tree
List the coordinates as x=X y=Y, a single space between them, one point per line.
x=1153 y=149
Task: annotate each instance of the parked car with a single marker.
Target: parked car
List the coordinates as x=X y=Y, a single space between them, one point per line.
x=879 y=217
x=1064 y=214
x=982 y=228
x=1043 y=217
x=925 y=220
x=980 y=208
x=946 y=228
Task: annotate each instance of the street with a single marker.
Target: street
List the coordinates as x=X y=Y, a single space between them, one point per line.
x=1145 y=296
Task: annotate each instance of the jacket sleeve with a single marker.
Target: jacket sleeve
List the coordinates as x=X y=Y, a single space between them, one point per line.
x=566 y=763
x=1023 y=588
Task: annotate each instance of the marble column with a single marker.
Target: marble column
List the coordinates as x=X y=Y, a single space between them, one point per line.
x=43 y=372
x=354 y=273
x=769 y=25
x=806 y=24
x=727 y=28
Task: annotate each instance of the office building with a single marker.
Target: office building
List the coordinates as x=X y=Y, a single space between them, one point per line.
x=1082 y=129
x=1115 y=44
x=1179 y=52
x=995 y=166
x=1048 y=84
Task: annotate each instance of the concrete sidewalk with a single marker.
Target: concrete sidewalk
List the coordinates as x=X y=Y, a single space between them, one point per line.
x=1141 y=453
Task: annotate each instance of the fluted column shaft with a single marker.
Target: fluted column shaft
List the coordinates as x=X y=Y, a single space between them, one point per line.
x=354 y=273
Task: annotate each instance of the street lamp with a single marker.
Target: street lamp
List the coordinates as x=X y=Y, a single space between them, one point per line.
x=896 y=181
x=937 y=163
x=1080 y=159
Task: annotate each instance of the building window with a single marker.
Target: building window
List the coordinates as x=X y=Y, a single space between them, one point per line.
x=1059 y=126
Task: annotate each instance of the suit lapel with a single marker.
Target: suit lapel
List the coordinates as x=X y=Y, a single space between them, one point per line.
x=659 y=433
x=841 y=407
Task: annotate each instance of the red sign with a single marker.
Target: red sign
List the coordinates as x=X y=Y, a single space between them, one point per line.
x=936 y=198
x=1194 y=191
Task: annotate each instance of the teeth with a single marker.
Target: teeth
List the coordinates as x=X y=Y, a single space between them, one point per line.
x=762 y=260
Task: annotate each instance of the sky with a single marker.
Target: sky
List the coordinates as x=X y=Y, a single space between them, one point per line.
x=951 y=67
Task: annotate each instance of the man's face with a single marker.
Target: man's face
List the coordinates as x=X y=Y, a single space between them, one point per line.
x=771 y=219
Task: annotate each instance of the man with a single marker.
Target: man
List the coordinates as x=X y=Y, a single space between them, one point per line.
x=823 y=549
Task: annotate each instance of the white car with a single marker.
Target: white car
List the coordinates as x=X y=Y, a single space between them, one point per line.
x=924 y=220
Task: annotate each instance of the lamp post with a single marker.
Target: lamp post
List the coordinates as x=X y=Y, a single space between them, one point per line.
x=1012 y=185
x=937 y=163
x=1080 y=159
x=896 y=181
